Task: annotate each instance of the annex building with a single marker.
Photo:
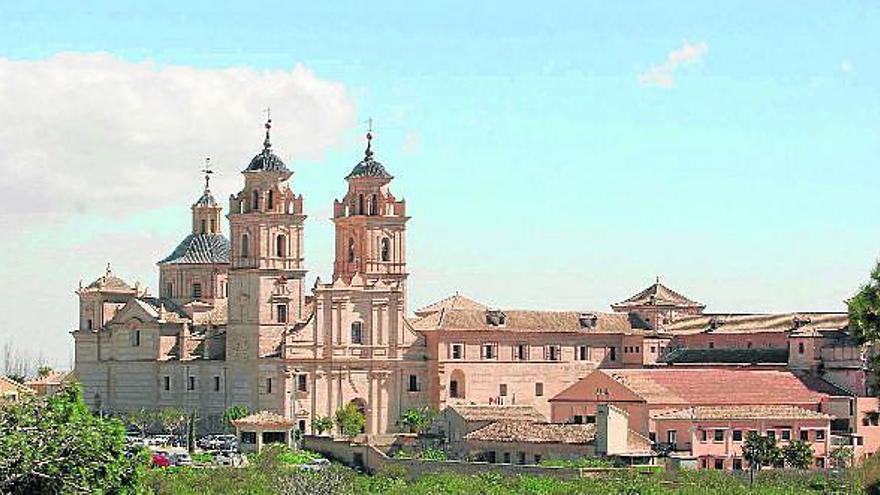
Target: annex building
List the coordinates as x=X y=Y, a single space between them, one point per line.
x=234 y=324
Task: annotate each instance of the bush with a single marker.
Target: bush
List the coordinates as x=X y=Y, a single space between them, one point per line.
x=583 y=462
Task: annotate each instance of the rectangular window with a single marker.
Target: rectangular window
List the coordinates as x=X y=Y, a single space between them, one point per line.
x=135 y=338
x=711 y=345
x=521 y=352
x=671 y=436
x=502 y=390
x=520 y=457
x=169 y=290
x=302 y=383
x=537 y=458
x=702 y=435
x=191 y=383
x=268 y=385
x=786 y=435
x=249 y=437
x=612 y=353
x=507 y=458
x=718 y=436
x=653 y=349
x=539 y=389
x=737 y=435
x=197 y=290
x=820 y=435
x=491 y=457
x=216 y=384
x=281 y=311
x=719 y=463
x=301 y=426
x=453 y=389
x=771 y=434
x=805 y=435
x=820 y=463
x=457 y=351
x=553 y=353
x=577 y=419
x=357 y=333
x=737 y=464
x=489 y=351
x=166 y=383
x=413 y=383
x=582 y=353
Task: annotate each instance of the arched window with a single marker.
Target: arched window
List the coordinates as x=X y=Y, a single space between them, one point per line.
x=386 y=249
x=270 y=203
x=351 y=249
x=202 y=226
x=360 y=204
x=357 y=333
x=89 y=324
x=255 y=202
x=281 y=246
x=245 y=246
x=213 y=226
x=374 y=205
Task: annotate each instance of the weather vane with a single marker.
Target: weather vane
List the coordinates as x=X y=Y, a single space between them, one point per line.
x=369 y=122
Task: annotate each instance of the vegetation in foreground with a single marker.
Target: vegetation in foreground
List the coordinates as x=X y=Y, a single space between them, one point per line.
x=271 y=474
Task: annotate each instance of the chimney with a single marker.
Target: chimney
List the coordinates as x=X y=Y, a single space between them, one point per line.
x=588 y=320
x=495 y=317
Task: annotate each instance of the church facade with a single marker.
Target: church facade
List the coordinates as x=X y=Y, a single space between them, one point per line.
x=234 y=323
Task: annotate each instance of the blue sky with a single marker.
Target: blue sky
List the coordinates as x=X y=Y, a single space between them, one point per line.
x=539 y=171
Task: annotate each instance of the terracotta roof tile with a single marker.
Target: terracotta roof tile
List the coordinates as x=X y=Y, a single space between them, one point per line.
x=710 y=413
x=265 y=419
x=658 y=295
x=706 y=386
x=727 y=356
x=528 y=432
x=528 y=321
x=756 y=323
x=455 y=301
x=484 y=412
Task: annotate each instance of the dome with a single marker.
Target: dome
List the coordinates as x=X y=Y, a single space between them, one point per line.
x=369 y=167
x=206 y=200
x=200 y=249
x=266 y=161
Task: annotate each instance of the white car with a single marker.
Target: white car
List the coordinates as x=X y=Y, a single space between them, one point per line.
x=315 y=465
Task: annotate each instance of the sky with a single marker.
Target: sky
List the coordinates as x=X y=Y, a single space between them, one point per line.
x=553 y=155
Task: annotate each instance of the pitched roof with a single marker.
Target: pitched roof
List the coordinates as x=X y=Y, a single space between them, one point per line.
x=528 y=321
x=529 y=432
x=455 y=301
x=206 y=200
x=264 y=419
x=658 y=295
x=757 y=323
x=154 y=305
x=756 y=355
x=484 y=412
x=710 y=413
x=7 y=383
x=51 y=378
x=200 y=249
x=110 y=283
x=705 y=386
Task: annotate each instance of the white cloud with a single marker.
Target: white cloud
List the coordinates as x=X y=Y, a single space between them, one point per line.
x=412 y=144
x=92 y=133
x=663 y=75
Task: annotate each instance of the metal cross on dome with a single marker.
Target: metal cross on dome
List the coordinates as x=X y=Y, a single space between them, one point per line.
x=207 y=171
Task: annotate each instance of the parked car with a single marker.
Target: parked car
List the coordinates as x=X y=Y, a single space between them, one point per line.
x=315 y=465
x=182 y=459
x=160 y=459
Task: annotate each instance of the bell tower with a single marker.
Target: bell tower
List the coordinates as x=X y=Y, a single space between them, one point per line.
x=370 y=225
x=266 y=273
x=206 y=211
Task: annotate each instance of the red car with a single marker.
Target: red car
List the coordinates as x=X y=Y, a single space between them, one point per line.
x=160 y=460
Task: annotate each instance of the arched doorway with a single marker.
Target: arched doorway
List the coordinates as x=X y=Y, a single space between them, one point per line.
x=457 y=385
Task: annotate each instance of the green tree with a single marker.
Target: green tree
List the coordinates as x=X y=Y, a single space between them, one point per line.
x=43 y=371
x=418 y=420
x=350 y=420
x=55 y=445
x=864 y=309
x=842 y=457
x=232 y=414
x=172 y=420
x=798 y=454
x=322 y=424
x=760 y=451
x=140 y=419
